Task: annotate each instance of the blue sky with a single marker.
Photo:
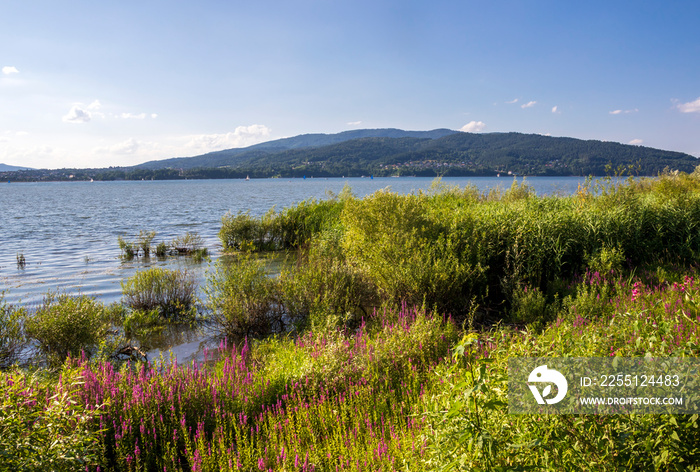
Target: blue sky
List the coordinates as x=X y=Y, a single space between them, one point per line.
x=94 y=84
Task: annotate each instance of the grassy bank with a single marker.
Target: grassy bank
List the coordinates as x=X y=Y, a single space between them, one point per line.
x=384 y=343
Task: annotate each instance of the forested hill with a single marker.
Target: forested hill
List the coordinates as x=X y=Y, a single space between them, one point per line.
x=389 y=152
x=229 y=157
x=438 y=152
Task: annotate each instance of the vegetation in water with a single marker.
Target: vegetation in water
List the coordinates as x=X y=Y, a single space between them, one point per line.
x=67 y=326
x=170 y=292
x=189 y=244
x=12 y=338
x=383 y=342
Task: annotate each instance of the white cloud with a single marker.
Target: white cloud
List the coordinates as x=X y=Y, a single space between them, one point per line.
x=555 y=109
x=80 y=113
x=77 y=114
x=636 y=142
x=473 y=127
x=130 y=146
x=8 y=70
x=515 y=100
x=690 y=107
x=154 y=115
x=354 y=123
x=132 y=116
x=528 y=104
x=242 y=136
x=625 y=112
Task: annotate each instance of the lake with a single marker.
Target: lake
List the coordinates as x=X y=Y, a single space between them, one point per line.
x=67 y=231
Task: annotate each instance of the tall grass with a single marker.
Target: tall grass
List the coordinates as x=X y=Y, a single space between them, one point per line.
x=291 y=228
x=341 y=400
x=607 y=315
x=12 y=338
x=170 y=292
x=449 y=247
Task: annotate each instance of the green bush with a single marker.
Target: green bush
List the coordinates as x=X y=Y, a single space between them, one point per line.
x=398 y=245
x=145 y=239
x=243 y=300
x=171 y=292
x=292 y=228
x=323 y=289
x=67 y=325
x=127 y=248
x=161 y=249
x=12 y=339
x=43 y=426
x=242 y=232
x=189 y=243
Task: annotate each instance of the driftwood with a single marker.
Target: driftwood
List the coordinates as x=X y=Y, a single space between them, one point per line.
x=130 y=353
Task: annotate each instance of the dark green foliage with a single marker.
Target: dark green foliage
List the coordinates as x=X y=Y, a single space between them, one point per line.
x=441 y=153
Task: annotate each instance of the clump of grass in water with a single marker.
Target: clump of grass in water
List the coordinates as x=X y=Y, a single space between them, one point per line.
x=21 y=261
x=171 y=292
x=127 y=248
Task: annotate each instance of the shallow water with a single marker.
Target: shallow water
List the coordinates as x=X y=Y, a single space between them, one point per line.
x=67 y=231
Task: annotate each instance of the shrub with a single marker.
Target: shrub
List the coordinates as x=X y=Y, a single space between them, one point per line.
x=243 y=300
x=67 y=325
x=292 y=228
x=188 y=243
x=171 y=292
x=161 y=249
x=397 y=244
x=244 y=233
x=12 y=339
x=324 y=289
x=141 y=247
x=145 y=239
x=127 y=248
x=44 y=425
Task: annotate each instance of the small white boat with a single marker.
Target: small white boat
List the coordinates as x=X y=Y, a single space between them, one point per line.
x=247 y=177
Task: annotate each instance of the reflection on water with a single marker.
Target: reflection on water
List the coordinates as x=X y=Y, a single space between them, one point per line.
x=67 y=231
x=186 y=342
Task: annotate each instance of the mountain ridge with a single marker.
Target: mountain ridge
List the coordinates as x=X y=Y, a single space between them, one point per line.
x=302 y=141
x=9 y=168
x=394 y=152
x=437 y=152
